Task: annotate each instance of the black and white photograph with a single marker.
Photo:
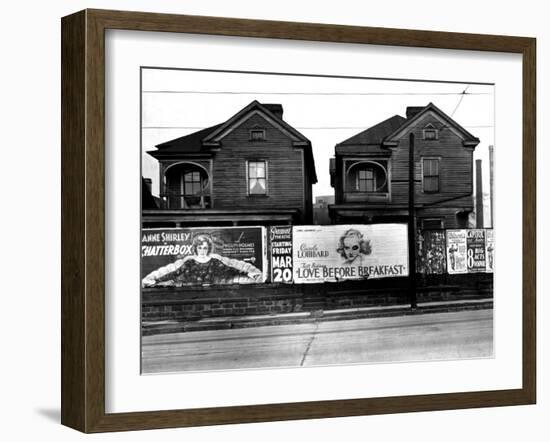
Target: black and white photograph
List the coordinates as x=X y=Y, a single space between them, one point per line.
x=292 y=220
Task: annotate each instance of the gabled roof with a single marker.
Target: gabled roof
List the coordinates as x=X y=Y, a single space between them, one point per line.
x=370 y=139
x=467 y=138
x=213 y=139
x=207 y=141
x=376 y=133
x=377 y=139
x=191 y=143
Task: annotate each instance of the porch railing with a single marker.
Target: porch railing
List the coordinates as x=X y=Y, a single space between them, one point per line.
x=357 y=196
x=173 y=200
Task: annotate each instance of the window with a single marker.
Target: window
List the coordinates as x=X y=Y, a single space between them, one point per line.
x=192 y=183
x=366 y=181
x=430 y=134
x=432 y=224
x=257 y=177
x=430 y=175
x=257 y=135
x=186 y=186
x=366 y=177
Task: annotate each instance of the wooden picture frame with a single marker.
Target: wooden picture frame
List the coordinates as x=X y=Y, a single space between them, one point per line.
x=83 y=220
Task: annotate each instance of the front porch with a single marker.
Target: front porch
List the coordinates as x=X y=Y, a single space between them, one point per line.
x=217 y=217
x=367 y=213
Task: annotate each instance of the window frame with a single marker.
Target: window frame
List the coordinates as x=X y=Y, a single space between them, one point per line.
x=383 y=163
x=429 y=128
x=367 y=180
x=248 y=178
x=424 y=176
x=192 y=183
x=441 y=222
x=251 y=137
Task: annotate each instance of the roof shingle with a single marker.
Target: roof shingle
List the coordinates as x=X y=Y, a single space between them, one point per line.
x=376 y=133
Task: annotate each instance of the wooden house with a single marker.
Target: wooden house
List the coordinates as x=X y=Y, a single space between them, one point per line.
x=253 y=168
x=370 y=171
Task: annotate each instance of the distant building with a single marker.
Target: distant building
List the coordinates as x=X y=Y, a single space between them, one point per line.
x=320 y=209
x=253 y=168
x=370 y=172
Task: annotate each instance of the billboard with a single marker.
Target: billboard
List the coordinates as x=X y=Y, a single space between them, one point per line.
x=475 y=243
x=490 y=250
x=345 y=252
x=203 y=256
x=456 y=252
x=432 y=258
x=280 y=239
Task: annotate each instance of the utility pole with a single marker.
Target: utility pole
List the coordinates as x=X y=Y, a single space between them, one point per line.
x=491 y=159
x=412 y=222
x=479 y=196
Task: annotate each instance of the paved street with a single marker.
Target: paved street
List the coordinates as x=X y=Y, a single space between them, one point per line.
x=465 y=334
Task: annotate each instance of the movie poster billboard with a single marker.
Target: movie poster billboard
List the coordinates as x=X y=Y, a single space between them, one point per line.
x=281 y=253
x=475 y=242
x=456 y=251
x=349 y=252
x=203 y=256
x=490 y=250
x=431 y=252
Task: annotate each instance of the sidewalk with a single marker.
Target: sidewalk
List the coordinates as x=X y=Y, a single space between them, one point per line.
x=231 y=322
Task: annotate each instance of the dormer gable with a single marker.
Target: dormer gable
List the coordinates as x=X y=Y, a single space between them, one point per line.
x=437 y=121
x=270 y=112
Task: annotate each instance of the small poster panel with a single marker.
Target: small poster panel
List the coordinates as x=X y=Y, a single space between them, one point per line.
x=431 y=250
x=281 y=254
x=475 y=240
x=456 y=251
x=345 y=252
x=203 y=256
x=490 y=250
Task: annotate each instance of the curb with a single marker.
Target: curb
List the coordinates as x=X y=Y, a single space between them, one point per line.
x=225 y=323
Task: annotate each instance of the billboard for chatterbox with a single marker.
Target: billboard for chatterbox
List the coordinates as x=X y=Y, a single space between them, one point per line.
x=349 y=252
x=203 y=256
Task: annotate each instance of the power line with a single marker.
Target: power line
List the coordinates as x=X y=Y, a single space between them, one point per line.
x=300 y=128
x=313 y=93
x=298 y=75
x=462 y=95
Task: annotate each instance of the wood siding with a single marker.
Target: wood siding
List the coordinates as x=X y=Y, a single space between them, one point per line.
x=448 y=215
x=285 y=171
x=455 y=167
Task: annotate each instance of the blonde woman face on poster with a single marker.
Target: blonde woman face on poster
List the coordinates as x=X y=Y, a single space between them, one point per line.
x=352 y=246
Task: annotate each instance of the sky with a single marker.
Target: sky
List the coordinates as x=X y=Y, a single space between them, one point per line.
x=327 y=110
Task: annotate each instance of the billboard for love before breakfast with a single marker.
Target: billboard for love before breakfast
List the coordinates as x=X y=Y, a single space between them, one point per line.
x=347 y=252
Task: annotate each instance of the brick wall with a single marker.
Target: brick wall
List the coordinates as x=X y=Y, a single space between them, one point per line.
x=198 y=303
x=179 y=304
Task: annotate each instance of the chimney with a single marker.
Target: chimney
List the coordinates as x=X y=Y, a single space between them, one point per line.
x=276 y=109
x=413 y=110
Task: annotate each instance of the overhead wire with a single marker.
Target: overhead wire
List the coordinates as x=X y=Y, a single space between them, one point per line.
x=197 y=92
